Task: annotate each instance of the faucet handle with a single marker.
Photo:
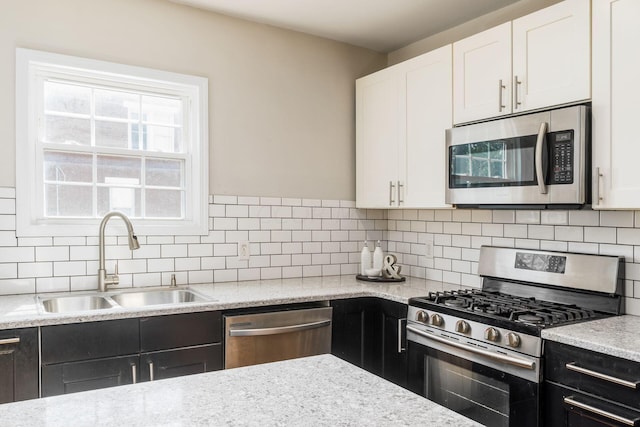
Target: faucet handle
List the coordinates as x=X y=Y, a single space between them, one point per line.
x=115 y=269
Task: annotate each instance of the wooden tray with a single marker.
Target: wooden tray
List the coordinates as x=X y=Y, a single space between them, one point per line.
x=379 y=279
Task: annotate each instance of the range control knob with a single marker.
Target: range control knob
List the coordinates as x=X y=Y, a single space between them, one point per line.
x=462 y=327
x=437 y=320
x=513 y=340
x=422 y=316
x=492 y=334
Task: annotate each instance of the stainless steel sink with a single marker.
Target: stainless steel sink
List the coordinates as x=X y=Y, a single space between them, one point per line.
x=75 y=303
x=157 y=297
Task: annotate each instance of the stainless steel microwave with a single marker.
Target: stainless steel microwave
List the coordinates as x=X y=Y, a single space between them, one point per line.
x=539 y=160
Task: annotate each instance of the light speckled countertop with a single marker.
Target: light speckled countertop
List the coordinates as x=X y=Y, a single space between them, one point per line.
x=313 y=391
x=19 y=311
x=616 y=336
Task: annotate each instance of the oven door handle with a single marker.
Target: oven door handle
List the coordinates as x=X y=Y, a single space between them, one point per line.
x=542 y=134
x=516 y=361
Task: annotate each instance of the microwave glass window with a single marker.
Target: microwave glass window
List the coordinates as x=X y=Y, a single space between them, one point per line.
x=498 y=163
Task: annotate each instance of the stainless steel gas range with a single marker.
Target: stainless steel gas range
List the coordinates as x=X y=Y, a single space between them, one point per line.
x=479 y=351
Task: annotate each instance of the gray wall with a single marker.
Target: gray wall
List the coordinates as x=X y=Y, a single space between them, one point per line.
x=281 y=103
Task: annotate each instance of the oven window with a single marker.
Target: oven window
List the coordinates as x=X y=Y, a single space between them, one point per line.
x=498 y=163
x=469 y=393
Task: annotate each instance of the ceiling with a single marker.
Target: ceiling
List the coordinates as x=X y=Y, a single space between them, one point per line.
x=380 y=25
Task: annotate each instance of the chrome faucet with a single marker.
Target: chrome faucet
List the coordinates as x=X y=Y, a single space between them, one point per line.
x=105 y=279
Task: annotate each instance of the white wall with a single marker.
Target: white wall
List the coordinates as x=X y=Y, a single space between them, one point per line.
x=281 y=103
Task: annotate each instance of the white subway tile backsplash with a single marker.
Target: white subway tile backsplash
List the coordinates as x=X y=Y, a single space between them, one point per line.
x=236 y=211
x=616 y=218
x=584 y=218
x=46 y=253
x=600 y=234
x=569 y=233
x=35 y=269
x=187 y=264
x=554 y=217
x=248 y=200
x=79 y=268
x=225 y=200
x=528 y=217
x=504 y=216
x=173 y=251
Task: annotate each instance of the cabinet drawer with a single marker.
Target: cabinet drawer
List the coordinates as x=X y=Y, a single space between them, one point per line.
x=73 y=377
x=176 y=363
x=568 y=407
x=93 y=340
x=180 y=330
x=610 y=377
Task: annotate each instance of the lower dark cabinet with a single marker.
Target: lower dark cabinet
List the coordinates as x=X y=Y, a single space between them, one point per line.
x=176 y=363
x=72 y=377
x=88 y=356
x=370 y=333
x=18 y=364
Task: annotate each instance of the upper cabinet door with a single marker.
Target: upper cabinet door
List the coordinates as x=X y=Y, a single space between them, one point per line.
x=551 y=56
x=428 y=104
x=377 y=136
x=482 y=75
x=616 y=91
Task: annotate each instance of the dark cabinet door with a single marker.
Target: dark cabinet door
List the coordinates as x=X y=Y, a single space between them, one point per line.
x=63 y=378
x=184 y=361
x=394 y=342
x=370 y=333
x=18 y=364
x=180 y=330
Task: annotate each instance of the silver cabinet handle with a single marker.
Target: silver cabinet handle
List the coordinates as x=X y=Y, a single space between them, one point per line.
x=278 y=330
x=596 y=185
x=501 y=88
x=400 y=347
x=571 y=401
x=516 y=86
x=7 y=341
x=521 y=363
x=391 y=187
x=573 y=367
x=151 y=376
x=134 y=373
x=542 y=134
x=400 y=185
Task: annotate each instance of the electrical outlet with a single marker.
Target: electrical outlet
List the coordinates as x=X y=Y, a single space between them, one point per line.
x=428 y=248
x=244 y=251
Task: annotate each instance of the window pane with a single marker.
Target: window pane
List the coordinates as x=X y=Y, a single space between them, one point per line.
x=163 y=203
x=119 y=170
x=121 y=105
x=497 y=169
x=165 y=173
x=125 y=200
x=163 y=139
x=68 y=167
x=67 y=130
x=68 y=200
x=112 y=134
x=66 y=98
x=461 y=166
x=163 y=111
x=480 y=149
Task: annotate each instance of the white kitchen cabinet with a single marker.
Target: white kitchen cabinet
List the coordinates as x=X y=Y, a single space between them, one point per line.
x=534 y=62
x=482 y=75
x=402 y=113
x=616 y=90
x=551 y=56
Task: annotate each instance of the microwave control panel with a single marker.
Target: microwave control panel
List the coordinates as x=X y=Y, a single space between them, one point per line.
x=561 y=157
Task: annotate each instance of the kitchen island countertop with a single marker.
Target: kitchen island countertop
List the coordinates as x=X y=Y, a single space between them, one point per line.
x=313 y=391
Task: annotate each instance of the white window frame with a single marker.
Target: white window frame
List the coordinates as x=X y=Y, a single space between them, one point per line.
x=31 y=67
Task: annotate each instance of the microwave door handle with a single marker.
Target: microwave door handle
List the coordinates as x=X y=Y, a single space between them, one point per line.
x=542 y=134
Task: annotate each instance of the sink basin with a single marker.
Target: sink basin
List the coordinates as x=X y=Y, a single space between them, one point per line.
x=159 y=297
x=75 y=303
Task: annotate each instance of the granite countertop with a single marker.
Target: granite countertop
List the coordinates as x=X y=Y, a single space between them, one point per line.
x=616 y=336
x=318 y=390
x=18 y=311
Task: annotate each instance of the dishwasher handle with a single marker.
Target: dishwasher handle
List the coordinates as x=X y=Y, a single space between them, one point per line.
x=278 y=329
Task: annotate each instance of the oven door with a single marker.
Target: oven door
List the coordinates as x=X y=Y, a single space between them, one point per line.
x=460 y=381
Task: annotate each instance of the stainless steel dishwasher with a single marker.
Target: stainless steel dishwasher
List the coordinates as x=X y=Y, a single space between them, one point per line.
x=251 y=339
